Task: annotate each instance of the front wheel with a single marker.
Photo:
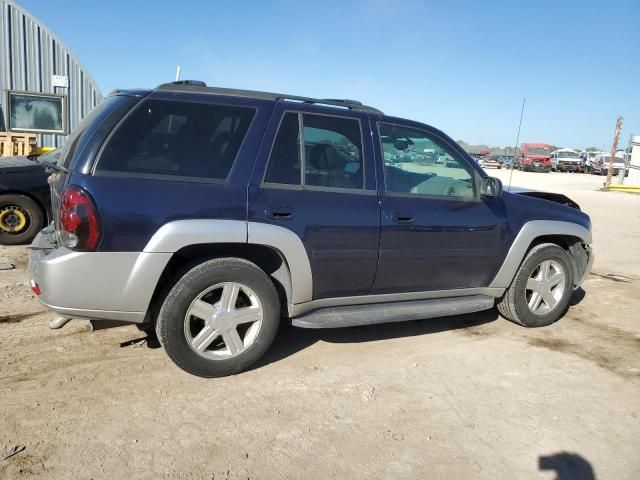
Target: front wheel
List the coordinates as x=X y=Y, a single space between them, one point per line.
x=540 y=292
x=219 y=317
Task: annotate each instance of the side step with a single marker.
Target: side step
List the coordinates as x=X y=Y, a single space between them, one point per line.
x=354 y=315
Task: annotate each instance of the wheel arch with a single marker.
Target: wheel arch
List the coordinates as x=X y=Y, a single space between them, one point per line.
x=267 y=258
x=570 y=236
x=276 y=250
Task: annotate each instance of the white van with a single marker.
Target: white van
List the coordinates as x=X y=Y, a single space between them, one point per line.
x=566 y=160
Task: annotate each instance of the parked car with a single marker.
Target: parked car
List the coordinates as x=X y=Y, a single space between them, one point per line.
x=508 y=161
x=490 y=161
x=25 y=205
x=566 y=160
x=199 y=213
x=600 y=165
x=534 y=157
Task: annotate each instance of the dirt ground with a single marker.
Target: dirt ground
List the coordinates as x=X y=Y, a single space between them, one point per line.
x=460 y=397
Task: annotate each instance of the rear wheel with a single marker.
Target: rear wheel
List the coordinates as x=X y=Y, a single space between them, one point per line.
x=20 y=219
x=219 y=317
x=540 y=292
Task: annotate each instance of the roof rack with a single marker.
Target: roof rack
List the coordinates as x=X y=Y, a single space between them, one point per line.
x=200 y=86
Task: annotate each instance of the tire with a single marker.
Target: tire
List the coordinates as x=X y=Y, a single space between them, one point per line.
x=514 y=304
x=174 y=328
x=21 y=219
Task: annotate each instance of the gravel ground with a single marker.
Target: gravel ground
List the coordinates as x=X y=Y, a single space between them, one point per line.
x=460 y=397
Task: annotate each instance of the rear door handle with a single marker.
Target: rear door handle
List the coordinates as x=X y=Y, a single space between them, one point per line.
x=403 y=218
x=279 y=213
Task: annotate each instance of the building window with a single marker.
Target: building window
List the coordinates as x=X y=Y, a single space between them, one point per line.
x=41 y=113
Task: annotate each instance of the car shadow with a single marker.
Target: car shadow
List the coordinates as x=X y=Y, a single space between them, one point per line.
x=568 y=466
x=291 y=340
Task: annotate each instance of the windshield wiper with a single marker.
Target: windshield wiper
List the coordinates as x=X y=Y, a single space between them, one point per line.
x=48 y=165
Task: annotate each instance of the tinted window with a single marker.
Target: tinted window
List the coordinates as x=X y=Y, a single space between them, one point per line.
x=416 y=162
x=284 y=162
x=332 y=155
x=177 y=138
x=70 y=145
x=333 y=152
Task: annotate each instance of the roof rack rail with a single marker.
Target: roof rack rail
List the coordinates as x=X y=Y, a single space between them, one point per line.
x=197 y=83
x=199 y=86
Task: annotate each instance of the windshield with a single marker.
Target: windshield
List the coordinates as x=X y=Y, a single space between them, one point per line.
x=568 y=155
x=538 y=151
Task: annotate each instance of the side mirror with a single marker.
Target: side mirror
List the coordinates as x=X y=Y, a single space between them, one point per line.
x=491 y=187
x=400 y=144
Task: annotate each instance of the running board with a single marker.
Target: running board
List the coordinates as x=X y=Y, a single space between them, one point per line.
x=355 y=315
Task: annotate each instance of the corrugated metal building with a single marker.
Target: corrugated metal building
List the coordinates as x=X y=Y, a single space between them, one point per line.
x=30 y=56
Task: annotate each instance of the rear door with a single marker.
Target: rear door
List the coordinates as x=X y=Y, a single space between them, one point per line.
x=315 y=176
x=437 y=232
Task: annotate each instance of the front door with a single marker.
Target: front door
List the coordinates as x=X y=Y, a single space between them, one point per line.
x=315 y=176
x=437 y=232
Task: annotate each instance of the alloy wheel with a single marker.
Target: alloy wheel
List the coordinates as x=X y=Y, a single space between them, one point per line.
x=223 y=320
x=545 y=287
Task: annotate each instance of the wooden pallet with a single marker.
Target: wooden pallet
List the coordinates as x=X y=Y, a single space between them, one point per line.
x=17 y=144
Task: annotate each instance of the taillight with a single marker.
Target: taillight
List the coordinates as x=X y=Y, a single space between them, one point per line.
x=79 y=220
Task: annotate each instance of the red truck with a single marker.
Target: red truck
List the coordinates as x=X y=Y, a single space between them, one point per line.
x=534 y=157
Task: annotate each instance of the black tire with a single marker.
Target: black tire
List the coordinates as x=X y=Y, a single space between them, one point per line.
x=513 y=305
x=26 y=211
x=171 y=319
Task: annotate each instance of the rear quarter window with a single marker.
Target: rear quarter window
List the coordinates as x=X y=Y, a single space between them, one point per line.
x=170 y=138
x=83 y=131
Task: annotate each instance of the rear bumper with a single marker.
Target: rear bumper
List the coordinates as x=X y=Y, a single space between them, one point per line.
x=93 y=285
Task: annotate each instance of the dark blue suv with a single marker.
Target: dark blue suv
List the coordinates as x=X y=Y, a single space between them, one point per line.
x=210 y=214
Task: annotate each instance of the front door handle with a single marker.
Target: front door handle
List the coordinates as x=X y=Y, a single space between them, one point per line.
x=279 y=213
x=403 y=218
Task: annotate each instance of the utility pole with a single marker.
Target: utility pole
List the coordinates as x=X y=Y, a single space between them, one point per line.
x=614 y=147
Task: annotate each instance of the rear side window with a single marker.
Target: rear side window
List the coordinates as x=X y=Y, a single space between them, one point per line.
x=178 y=139
x=331 y=157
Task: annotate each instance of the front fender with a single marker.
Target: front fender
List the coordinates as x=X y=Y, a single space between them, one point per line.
x=525 y=237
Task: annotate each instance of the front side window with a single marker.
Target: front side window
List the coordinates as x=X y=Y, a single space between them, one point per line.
x=181 y=139
x=331 y=157
x=417 y=163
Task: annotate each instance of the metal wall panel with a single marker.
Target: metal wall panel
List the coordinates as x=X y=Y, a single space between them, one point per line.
x=29 y=55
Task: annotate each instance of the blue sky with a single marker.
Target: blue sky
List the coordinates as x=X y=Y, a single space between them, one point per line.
x=462 y=66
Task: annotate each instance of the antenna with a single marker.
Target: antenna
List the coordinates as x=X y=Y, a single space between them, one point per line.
x=516 y=145
x=178 y=73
